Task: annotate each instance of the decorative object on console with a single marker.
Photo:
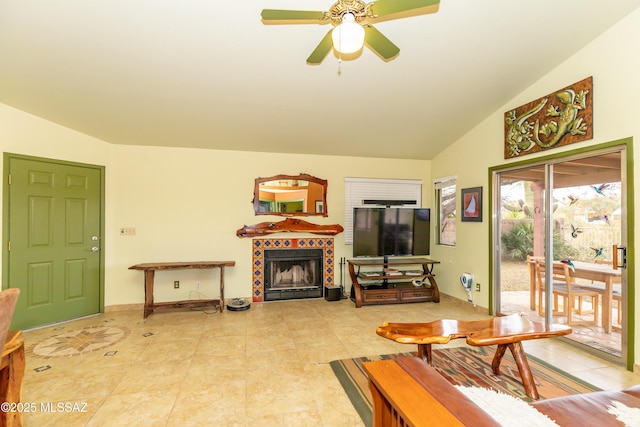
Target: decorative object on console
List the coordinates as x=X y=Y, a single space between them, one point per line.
x=567 y=119
x=290 y=195
x=289 y=225
x=471 y=204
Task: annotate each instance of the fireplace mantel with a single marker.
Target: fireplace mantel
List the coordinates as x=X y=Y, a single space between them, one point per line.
x=289 y=225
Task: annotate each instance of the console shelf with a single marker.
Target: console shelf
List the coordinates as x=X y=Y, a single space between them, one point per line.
x=390 y=281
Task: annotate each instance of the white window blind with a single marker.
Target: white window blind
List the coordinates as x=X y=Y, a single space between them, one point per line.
x=356 y=190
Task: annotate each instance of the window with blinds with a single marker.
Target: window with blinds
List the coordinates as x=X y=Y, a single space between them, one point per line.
x=357 y=190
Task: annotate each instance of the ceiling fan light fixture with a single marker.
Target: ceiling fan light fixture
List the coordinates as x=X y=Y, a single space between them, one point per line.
x=348 y=37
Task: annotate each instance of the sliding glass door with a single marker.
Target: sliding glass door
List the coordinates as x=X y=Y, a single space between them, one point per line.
x=559 y=234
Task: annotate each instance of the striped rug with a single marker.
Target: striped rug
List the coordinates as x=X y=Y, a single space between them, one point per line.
x=467 y=367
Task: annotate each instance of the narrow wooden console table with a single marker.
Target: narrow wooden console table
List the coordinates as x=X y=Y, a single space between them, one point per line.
x=149 y=273
x=376 y=281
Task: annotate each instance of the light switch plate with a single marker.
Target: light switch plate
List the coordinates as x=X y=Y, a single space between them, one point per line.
x=128 y=231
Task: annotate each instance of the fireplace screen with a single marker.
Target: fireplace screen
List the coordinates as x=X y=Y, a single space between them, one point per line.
x=293 y=273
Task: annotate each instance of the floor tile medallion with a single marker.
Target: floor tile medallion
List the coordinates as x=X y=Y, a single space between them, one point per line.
x=79 y=341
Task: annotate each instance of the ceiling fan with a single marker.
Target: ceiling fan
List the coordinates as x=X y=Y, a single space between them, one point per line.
x=352 y=21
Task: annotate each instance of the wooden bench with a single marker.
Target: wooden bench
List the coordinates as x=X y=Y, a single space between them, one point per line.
x=402 y=399
x=409 y=392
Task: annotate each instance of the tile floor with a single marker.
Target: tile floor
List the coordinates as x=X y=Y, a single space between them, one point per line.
x=591 y=335
x=266 y=366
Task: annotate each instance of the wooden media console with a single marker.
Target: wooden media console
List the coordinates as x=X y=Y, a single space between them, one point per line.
x=379 y=281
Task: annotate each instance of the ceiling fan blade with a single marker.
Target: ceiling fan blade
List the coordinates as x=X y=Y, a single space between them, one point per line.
x=275 y=16
x=383 y=8
x=379 y=44
x=321 y=51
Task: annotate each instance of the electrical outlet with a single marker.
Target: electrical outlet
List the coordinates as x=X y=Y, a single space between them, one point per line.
x=198 y=284
x=176 y=284
x=477 y=287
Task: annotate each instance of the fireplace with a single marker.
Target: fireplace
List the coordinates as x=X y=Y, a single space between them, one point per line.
x=292 y=274
x=291 y=268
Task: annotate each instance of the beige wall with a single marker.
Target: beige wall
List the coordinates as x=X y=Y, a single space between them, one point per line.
x=613 y=61
x=186 y=204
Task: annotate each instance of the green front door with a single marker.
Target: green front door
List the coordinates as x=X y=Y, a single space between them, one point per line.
x=54 y=239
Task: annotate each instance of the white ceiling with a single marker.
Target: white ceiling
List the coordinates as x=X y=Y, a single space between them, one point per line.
x=208 y=74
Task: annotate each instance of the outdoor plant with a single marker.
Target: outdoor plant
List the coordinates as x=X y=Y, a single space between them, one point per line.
x=517 y=243
x=562 y=249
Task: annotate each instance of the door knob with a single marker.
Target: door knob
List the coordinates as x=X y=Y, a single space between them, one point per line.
x=95 y=249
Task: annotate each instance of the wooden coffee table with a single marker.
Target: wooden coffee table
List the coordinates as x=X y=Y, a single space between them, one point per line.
x=504 y=332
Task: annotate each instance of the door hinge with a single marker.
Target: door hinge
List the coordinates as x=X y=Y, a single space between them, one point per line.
x=9 y=246
x=9 y=179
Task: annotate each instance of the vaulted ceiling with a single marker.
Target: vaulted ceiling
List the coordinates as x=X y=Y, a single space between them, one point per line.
x=210 y=74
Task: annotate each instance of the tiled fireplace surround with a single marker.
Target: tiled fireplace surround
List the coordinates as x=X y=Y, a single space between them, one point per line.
x=260 y=245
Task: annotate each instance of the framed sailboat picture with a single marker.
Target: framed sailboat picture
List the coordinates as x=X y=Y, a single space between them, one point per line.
x=472 y=204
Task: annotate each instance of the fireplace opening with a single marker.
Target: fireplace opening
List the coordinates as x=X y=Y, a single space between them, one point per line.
x=293 y=274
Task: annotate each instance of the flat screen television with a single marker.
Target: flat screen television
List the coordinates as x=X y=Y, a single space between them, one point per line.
x=391 y=231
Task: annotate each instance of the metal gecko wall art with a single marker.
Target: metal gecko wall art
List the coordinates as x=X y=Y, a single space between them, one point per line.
x=567 y=119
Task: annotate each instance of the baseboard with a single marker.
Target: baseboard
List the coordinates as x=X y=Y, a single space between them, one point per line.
x=123 y=307
x=463 y=303
x=139 y=307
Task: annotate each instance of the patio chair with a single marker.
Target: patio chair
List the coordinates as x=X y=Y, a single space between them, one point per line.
x=564 y=287
x=533 y=281
x=598 y=288
x=616 y=291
